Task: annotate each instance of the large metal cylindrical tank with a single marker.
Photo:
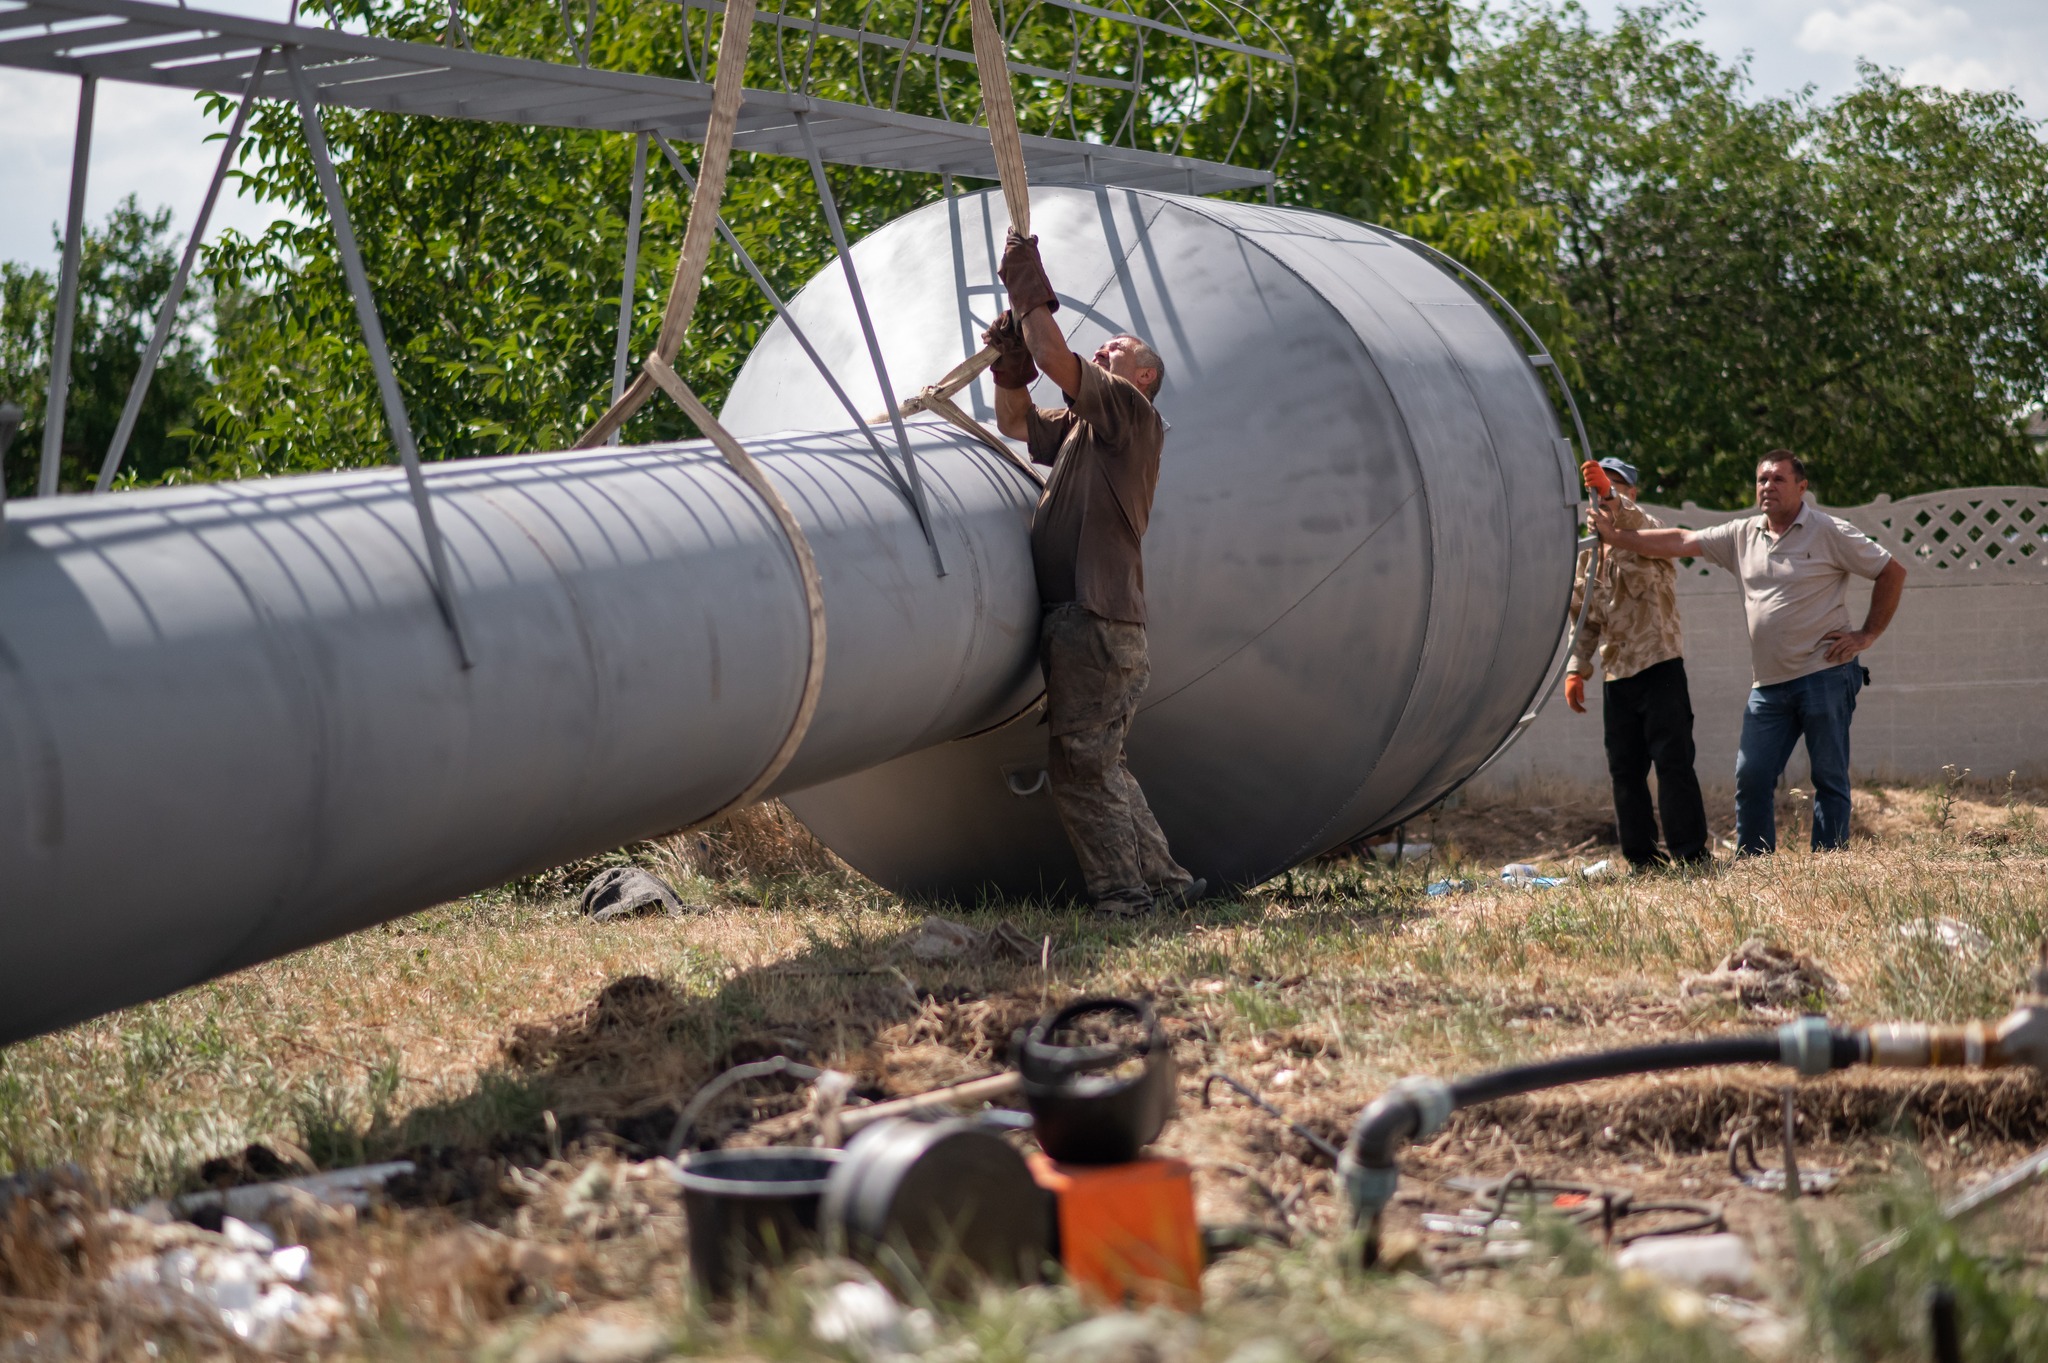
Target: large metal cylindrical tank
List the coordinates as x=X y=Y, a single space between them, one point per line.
x=233 y=723
x=1359 y=559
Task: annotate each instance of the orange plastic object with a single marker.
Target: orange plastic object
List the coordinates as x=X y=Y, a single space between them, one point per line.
x=1128 y=1234
x=1596 y=478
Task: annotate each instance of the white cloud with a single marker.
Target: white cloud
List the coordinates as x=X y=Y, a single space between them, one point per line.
x=1896 y=28
x=1960 y=73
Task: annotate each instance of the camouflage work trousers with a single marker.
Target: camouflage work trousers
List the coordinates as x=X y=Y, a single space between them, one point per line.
x=1095 y=670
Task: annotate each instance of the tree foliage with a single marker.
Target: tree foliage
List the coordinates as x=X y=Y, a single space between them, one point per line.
x=495 y=254
x=1863 y=279
x=125 y=268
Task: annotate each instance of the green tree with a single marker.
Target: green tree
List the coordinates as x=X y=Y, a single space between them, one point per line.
x=494 y=252
x=125 y=270
x=1863 y=280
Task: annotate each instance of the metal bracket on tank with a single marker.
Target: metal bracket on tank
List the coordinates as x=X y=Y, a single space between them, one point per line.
x=1542 y=359
x=1010 y=775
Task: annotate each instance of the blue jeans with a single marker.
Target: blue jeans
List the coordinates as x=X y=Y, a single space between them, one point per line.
x=1820 y=706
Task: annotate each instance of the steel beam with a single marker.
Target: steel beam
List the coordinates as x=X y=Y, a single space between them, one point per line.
x=121 y=38
x=167 y=316
x=380 y=357
x=67 y=294
x=867 y=331
x=625 y=336
x=796 y=332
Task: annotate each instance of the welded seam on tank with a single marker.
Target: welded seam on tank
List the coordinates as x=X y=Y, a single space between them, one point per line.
x=1409 y=803
x=1430 y=632
x=1433 y=637
x=599 y=711
x=1292 y=606
x=42 y=785
x=1541 y=677
x=1505 y=614
x=296 y=682
x=939 y=484
x=1200 y=209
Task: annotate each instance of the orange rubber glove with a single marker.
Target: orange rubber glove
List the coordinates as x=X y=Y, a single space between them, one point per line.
x=1597 y=479
x=1575 y=692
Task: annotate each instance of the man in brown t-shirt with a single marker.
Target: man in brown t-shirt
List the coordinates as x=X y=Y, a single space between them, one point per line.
x=1085 y=547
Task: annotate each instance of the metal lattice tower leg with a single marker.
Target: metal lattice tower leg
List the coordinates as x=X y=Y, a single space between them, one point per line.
x=380 y=356
x=168 y=316
x=632 y=268
x=796 y=331
x=67 y=294
x=867 y=329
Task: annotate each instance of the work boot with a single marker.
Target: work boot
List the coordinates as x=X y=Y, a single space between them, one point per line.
x=1125 y=904
x=1180 y=896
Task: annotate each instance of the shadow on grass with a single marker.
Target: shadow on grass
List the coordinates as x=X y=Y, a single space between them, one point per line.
x=618 y=1070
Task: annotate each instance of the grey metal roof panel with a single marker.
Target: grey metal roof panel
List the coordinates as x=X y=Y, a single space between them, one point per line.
x=138 y=40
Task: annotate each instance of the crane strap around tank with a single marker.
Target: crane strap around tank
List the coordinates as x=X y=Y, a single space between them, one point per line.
x=999 y=103
x=657 y=373
x=750 y=473
x=728 y=90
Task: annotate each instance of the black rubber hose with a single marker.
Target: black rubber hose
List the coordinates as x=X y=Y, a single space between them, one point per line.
x=1398 y=1116
x=1760 y=1048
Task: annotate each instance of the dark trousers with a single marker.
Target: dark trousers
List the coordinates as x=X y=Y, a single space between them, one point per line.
x=1648 y=720
x=1095 y=671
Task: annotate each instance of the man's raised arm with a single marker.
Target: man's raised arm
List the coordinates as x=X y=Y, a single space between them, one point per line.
x=1032 y=303
x=1663 y=543
x=1014 y=374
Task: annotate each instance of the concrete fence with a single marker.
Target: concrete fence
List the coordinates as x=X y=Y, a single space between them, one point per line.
x=1960 y=678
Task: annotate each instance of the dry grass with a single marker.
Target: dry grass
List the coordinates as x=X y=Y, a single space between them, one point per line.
x=510 y=1045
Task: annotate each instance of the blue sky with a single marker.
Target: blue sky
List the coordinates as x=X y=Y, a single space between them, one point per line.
x=148 y=141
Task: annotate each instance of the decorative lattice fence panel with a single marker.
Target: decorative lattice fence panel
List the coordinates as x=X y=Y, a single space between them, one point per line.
x=1962 y=536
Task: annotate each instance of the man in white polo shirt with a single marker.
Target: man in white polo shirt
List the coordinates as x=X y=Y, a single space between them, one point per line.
x=1794 y=562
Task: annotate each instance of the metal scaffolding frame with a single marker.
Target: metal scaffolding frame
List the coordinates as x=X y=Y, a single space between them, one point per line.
x=172 y=45
x=380 y=355
x=196 y=49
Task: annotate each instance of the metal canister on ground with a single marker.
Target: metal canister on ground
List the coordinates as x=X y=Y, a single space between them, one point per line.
x=946 y=1206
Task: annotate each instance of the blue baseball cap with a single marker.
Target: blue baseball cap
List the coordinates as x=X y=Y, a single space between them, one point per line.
x=1623 y=470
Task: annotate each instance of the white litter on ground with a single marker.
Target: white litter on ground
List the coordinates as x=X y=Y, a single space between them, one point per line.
x=237 y=1282
x=1723 y=1260
x=1960 y=938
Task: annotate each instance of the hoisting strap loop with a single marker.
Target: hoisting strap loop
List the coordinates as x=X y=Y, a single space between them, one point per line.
x=728 y=89
x=657 y=371
x=999 y=104
x=750 y=473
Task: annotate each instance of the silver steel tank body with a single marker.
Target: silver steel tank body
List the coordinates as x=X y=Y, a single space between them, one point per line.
x=232 y=722
x=1359 y=558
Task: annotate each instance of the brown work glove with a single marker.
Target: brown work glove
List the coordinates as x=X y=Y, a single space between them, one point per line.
x=1575 y=692
x=1023 y=274
x=1013 y=367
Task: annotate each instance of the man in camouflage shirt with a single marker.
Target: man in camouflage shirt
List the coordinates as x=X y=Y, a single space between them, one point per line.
x=1645 y=706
